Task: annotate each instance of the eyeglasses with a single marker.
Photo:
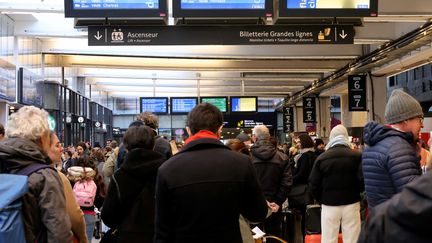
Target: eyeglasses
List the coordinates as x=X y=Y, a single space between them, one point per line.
x=421 y=119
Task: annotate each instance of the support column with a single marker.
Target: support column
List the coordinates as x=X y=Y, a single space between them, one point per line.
x=299 y=124
x=323 y=117
x=377 y=98
x=352 y=119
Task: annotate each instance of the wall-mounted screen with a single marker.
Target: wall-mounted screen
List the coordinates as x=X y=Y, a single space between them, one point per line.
x=157 y=105
x=115 y=8
x=328 y=8
x=31 y=88
x=220 y=102
x=225 y=8
x=182 y=105
x=8 y=83
x=244 y=104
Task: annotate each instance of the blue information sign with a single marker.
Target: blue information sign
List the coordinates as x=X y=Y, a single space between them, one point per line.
x=223 y=4
x=115 y=4
x=183 y=105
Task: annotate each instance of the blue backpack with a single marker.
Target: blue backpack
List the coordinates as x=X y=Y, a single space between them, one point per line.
x=12 y=188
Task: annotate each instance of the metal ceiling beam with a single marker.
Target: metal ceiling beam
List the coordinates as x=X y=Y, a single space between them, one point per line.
x=388 y=52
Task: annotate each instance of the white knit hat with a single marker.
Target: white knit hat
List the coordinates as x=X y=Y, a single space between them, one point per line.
x=337 y=131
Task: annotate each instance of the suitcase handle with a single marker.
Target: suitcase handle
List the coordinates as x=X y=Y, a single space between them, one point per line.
x=275 y=237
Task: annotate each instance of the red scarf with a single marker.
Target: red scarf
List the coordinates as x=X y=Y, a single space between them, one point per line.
x=201 y=134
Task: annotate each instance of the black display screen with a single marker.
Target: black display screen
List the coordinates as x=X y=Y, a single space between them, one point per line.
x=115 y=4
x=31 y=88
x=157 y=105
x=183 y=105
x=219 y=102
x=328 y=8
x=224 y=4
x=243 y=104
x=8 y=83
x=115 y=8
x=222 y=8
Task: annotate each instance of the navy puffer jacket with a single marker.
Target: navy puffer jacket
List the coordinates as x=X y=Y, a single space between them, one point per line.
x=389 y=162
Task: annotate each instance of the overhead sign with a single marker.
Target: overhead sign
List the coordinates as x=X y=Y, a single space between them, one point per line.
x=220 y=35
x=288 y=119
x=309 y=109
x=97 y=124
x=357 y=93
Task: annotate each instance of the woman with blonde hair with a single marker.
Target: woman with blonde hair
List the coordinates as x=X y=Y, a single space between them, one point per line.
x=76 y=216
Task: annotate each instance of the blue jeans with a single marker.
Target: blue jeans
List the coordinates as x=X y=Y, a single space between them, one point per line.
x=90 y=224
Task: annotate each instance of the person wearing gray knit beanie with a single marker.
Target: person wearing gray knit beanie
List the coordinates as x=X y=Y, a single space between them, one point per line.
x=401 y=107
x=390 y=159
x=404 y=113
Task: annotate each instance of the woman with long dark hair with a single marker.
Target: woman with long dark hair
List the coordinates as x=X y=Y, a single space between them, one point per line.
x=129 y=207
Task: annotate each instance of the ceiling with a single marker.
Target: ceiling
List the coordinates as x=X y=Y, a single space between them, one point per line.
x=270 y=71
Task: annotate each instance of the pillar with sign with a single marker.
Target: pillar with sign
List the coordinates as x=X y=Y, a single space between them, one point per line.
x=288 y=119
x=354 y=104
x=309 y=114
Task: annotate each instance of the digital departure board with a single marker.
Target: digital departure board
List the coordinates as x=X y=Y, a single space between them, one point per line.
x=157 y=105
x=31 y=88
x=342 y=4
x=183 y=105
x=115 y=4
x=328 y=8
x=8 y=83
x=222 y=8
x=219 y=102
x=243 y=104
x=224 y=4
x=115 y=8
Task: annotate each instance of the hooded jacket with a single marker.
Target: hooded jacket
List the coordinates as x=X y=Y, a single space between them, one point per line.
x=389 y=162
x=404 y=218
x=130 y=203
x=272 y=171
x=44 y=207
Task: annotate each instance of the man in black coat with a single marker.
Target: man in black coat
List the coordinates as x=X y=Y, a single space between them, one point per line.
x=203 y=189
x=273 y=174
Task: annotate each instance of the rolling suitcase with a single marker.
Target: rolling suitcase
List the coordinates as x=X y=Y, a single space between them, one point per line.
x=316 y=238
x=313 y=219
x=291 y=226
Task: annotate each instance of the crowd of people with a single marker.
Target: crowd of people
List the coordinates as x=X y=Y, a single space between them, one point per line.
x=208 y=191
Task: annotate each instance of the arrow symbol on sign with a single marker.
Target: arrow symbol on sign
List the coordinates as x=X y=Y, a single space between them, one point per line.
x=343 y=35
x=98 y=36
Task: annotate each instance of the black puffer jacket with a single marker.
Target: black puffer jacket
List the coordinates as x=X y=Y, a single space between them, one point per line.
x=336 y=177
x=404 y=218
x=44 y=206
x=130 y=202
x=273 y=173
